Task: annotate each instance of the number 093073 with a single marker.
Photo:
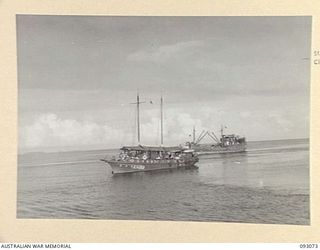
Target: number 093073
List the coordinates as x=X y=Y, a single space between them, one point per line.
x=308 y=246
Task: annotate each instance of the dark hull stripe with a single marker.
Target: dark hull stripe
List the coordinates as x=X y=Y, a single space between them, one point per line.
x=128 y=167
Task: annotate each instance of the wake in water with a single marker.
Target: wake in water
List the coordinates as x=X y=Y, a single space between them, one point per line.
x=267 y=184
x=57 y=163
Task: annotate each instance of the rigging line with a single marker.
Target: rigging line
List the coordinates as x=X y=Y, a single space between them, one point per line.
x=138 y=102
x=161 y=115
x=126 y=126
x=215 y=136
x=130 y=127
x=134 y=127
x=158 y=114
x=200 y=136
x=214 y=139
x=158 y=132
x=203 y=136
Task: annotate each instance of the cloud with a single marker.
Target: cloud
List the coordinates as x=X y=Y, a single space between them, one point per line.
x=51 y=131
x=281 y=121
x=177 y=128
x=48 y=130
x=165 y=52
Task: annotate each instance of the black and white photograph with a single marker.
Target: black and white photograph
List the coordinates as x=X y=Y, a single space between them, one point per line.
x=164 y=118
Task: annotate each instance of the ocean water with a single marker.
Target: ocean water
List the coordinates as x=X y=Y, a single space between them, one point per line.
x=267 y=184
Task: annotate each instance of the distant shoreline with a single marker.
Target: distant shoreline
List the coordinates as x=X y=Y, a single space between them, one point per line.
x=112 y=149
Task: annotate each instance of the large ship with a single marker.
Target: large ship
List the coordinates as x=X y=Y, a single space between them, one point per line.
x=145 y=158
x=227 y=143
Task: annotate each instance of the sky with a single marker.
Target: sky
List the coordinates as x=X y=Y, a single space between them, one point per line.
x=78 y=75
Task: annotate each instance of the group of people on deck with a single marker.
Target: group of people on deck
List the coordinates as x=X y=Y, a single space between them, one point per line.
x=146 y=155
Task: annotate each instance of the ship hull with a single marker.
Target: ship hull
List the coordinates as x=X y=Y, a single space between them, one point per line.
x=120 y=167
x=208 y=149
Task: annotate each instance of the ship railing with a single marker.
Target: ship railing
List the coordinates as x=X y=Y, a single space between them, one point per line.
x=150 y=161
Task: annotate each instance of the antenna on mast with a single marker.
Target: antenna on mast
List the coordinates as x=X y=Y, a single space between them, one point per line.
x=161 y=109
x=221 y=130
x=194 y=134
x=138 y=114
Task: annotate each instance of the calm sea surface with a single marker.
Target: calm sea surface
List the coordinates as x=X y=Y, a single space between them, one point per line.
x=267 y=184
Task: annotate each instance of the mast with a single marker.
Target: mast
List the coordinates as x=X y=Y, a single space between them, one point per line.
x=161 y=108
x=138 y=115
x=221 y=130
x=194 y=134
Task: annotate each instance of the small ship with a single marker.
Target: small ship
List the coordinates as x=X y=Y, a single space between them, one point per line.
x=230 y=143
x=145 y=158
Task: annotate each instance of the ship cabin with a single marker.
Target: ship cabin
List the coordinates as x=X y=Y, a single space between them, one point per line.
x=228 y=140
x=152 y=154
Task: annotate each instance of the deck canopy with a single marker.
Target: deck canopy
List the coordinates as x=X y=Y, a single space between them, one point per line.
x=152 y=149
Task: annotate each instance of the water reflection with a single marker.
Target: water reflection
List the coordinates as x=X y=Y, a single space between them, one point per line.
x=223 y=188
x=235 y=169
x=159 y=172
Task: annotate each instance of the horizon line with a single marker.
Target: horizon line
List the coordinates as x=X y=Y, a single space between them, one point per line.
x=99 y=149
